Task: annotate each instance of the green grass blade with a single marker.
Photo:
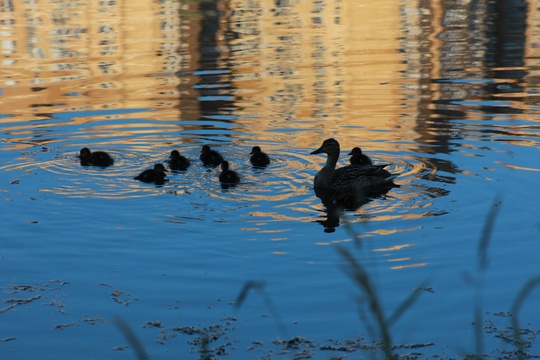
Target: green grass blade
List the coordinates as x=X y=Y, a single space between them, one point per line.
x=486 y=234
x=405 y=305
x=258 y=286
x=131 y=338
x=516 y=306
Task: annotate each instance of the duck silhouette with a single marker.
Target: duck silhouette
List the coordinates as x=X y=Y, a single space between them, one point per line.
x=96 y=158
x=228 y=176
x=351 y=177
x=155 y=175
x=258 y=158
x=177 y=161
x=359 y=158
x=210 y=157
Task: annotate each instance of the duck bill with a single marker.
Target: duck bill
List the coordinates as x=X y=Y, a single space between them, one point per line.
x=318 y=151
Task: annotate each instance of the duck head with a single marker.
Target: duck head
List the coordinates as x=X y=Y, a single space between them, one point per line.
x=160 y=168
x=225 y=165
x=255 y=150
x=85 y=153
x=329 y=146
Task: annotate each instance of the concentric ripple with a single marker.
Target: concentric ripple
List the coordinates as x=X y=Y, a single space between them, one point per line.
x=281 y=191
x=286 y=182
x=411 y=199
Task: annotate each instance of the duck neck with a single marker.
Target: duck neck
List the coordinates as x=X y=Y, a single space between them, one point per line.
x=324 y=177
x=331 y=161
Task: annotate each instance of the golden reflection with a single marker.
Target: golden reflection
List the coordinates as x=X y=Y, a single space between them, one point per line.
x=408 y=266
x=311 y=65
x=93 y=56
x=289 y=73
x=394 y=248
x=399 y=259
x=515 y=167
x=273 y=231
x=396 y=231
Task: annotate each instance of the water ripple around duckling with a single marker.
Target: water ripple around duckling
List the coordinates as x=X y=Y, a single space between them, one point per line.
x=74 y=180
x=286 y=183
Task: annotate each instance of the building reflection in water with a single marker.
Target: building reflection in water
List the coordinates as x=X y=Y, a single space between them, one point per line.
x=464 y=51
x=390 y=74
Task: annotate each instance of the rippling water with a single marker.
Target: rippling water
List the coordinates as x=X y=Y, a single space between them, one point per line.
x=446 y=94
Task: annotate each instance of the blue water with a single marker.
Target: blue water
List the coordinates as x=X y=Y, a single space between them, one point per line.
x=82 y=247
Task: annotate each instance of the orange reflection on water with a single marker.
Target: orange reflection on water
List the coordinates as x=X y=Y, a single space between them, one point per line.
x=395 y=231
x=93 y=56
x=301 y=65
x=394 y=248
x=408 y=266
x=400 y=259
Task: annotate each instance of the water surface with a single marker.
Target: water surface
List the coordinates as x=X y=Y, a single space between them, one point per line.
x=444 y=93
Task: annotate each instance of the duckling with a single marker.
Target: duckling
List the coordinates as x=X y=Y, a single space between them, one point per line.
x=97 y=158
x=358 y=158
x=351 y=177
x=177 y=161
x=228 y=176
x=210 y=157
x=155 y=175
x=258 y=158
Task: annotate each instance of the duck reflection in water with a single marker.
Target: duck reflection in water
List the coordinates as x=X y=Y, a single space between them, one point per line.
x=348 y=187
x=337 y=203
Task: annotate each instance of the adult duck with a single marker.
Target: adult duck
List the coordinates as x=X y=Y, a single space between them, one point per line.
x=96 y=158
x=177 y=161
x=228 y=176
x=210 y=157
x=359 y=158
x=155 y=175
x=258 y=158
x=351 y=177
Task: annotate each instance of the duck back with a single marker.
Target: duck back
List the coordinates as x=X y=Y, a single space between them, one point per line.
x=179 y=163
x=96 y=158
x=155 y=175
x=210 y=157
